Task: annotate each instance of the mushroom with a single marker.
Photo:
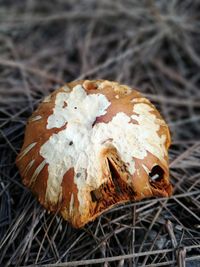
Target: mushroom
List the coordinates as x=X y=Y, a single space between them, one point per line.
x=91 y=145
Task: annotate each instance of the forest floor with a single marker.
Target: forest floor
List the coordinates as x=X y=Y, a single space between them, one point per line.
x=150 y=45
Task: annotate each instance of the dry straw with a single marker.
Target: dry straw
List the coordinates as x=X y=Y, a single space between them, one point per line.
x=153 y=45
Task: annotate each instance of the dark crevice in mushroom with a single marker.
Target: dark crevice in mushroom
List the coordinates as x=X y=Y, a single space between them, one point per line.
x=115 y=176
x=156 y=174
x=153 y=185
x=64 y=104
x=78 y=174
x=96 y=195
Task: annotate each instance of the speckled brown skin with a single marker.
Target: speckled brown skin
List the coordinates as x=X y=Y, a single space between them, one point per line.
x=121 y=186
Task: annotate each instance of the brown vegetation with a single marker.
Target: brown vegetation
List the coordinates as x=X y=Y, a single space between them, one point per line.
x=152 y=45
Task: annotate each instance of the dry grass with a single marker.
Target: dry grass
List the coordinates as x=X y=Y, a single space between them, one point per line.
x=153 y=45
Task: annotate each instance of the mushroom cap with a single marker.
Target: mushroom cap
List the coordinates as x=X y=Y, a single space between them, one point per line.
x=94 y=144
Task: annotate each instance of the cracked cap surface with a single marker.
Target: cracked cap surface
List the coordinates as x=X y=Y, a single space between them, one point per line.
x=91 y=145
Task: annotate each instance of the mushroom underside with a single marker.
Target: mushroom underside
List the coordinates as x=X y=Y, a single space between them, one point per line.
x=117 y=189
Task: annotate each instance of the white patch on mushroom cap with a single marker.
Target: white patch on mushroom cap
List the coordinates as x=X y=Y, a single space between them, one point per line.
x=66 y=88
x=140 y=100
x=71 y=205
x=47 y=99
x=81 y=109
x=26 y=150
x=37 y=171
x=28 y=167
x=146 y=169
x=149 y=126
x=36 y=118
x=80 y=145
x=79 y=114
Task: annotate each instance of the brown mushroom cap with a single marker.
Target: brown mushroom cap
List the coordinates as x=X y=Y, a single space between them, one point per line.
x=91 y=145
